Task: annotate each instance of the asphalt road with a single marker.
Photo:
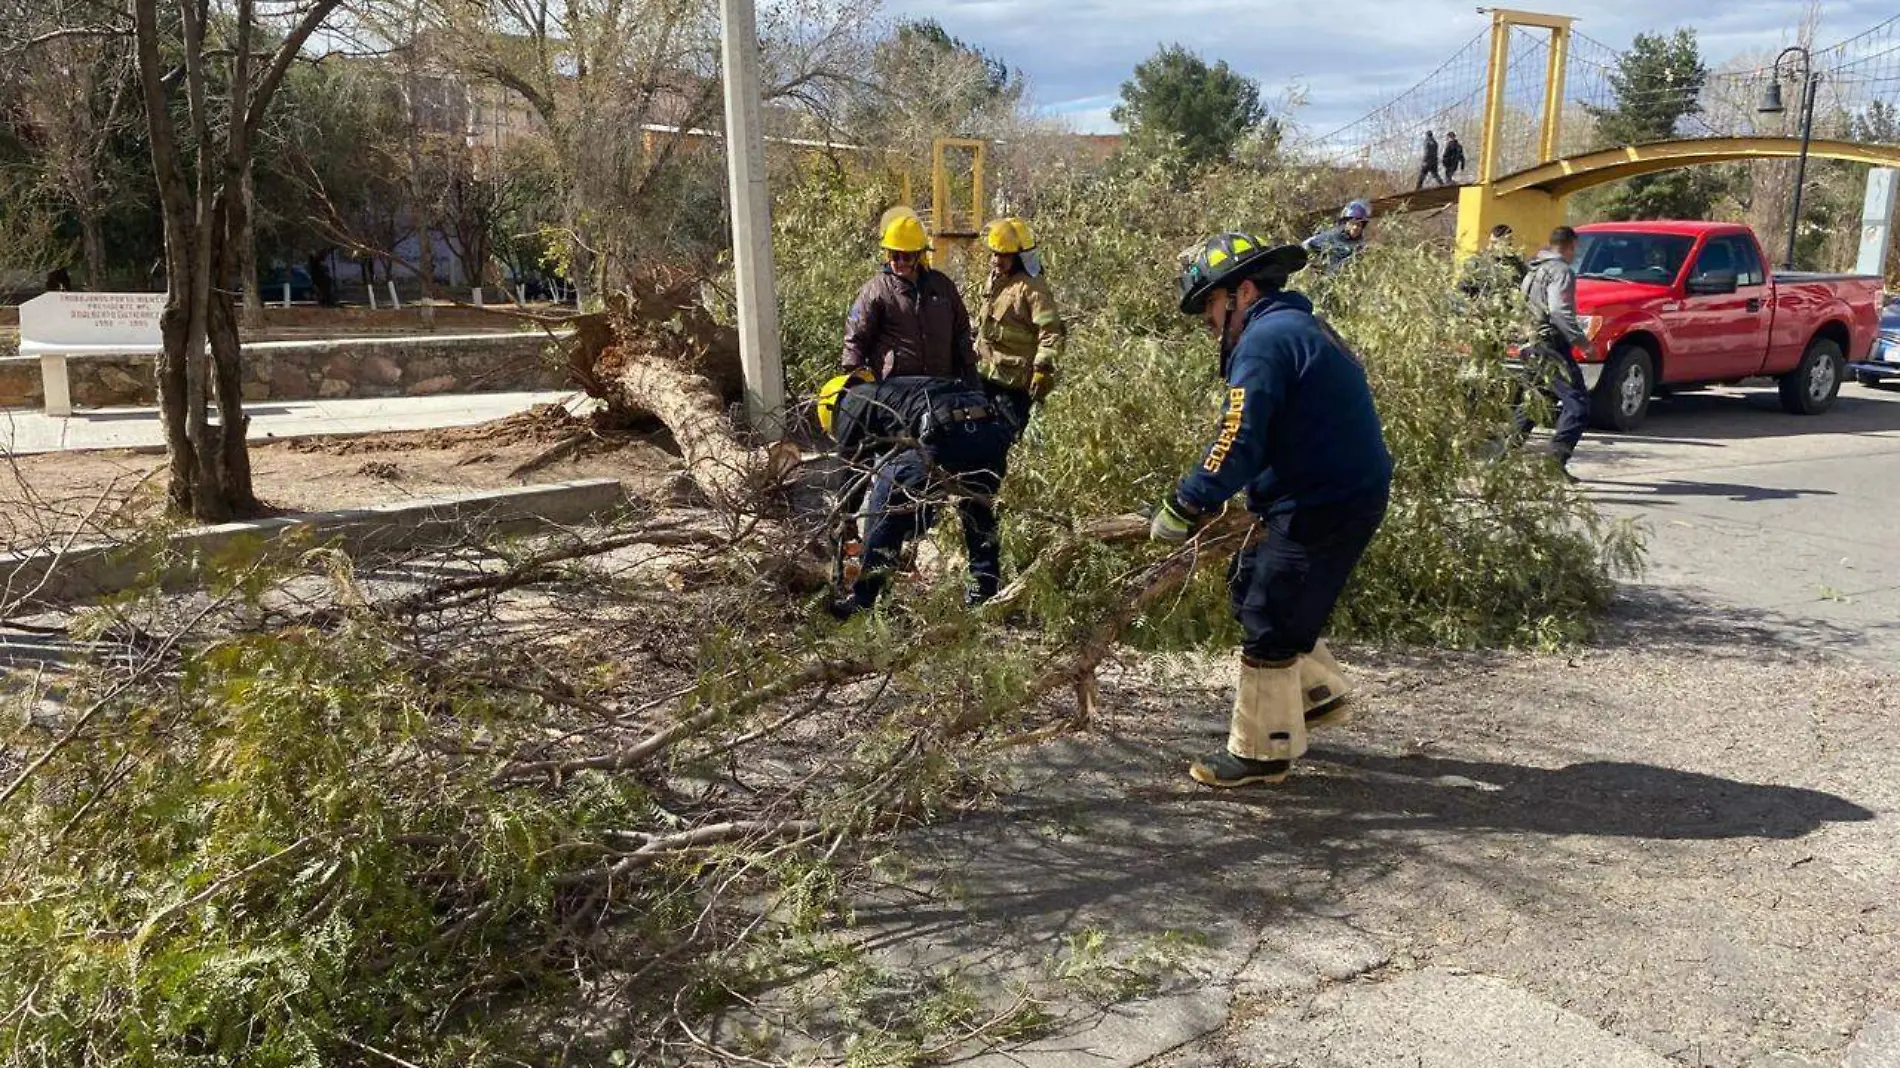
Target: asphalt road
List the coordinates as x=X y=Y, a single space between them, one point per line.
x=1796 y=518
x=1673 y=848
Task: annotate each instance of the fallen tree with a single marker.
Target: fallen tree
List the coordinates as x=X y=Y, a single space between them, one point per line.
x=575 y=798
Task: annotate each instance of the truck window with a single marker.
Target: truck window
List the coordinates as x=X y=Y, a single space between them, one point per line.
x=1632 y=257
x=1748 y=269
x=1731 y=254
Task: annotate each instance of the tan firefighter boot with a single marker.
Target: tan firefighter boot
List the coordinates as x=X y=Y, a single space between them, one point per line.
x=1268 y=730
x=1328 y=696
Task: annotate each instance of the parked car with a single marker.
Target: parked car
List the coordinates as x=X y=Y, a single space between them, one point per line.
x=270 y=284
x=1682 y=304
x=1884 y=361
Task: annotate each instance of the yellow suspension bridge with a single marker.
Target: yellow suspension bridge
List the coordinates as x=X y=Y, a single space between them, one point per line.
x=1525 y=169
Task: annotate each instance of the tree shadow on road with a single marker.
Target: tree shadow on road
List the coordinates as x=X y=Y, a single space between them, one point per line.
x=1701 y=418
x=1657 y=619
x=1650 y=494
x=1616 y=799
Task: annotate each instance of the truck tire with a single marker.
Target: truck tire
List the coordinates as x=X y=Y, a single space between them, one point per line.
x=1621 y=398
x=1811 y=387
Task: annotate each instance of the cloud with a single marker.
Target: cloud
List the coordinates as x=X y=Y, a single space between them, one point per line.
x=1349 y=55
x=1087 y=114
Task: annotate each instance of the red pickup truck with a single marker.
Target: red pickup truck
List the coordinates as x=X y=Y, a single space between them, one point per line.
x=1677 y=304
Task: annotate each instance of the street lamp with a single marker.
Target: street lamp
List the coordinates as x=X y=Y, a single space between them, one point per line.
x=1771 y=105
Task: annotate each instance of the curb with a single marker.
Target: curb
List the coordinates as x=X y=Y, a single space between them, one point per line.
x=48 y=577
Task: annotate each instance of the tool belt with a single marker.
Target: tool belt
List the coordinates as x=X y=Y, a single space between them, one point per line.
x=944 y=416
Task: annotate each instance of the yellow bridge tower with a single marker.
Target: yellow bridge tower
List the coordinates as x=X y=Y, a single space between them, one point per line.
x=1532 y=213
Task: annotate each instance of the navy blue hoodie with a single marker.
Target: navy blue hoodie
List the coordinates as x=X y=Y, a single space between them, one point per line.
x=1298 y=427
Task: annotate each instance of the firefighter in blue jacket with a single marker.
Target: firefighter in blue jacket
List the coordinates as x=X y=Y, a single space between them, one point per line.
x=924 y=439
x=1299 y=433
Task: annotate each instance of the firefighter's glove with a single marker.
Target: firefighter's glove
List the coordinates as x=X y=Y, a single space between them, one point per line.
x=1041 y=384
x=1171 y=524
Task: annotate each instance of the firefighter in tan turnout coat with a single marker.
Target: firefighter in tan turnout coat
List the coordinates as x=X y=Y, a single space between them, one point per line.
x=1019 y=332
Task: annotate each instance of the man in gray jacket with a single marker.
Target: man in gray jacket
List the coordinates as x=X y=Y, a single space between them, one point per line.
x=1551 y=291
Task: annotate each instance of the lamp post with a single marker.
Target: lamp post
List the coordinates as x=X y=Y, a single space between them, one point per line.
x=1771 y=105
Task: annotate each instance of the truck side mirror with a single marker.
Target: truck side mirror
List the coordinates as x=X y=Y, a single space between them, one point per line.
x=1713 y=284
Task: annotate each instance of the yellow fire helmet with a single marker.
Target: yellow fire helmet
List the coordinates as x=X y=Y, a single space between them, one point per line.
x=1009 y=234
x=829 y=393
x=901 y=230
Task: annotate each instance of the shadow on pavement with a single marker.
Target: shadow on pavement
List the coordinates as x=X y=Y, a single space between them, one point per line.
x=1705 y=418
x=1597 y=798
x=1676 y=487
x=1142 y=845
x=1657 y=619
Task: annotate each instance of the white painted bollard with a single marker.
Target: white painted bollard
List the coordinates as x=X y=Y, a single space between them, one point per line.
x=394 y=300
x=286 y=294
x=372 y=296
x=478 y=296
x=59 y=388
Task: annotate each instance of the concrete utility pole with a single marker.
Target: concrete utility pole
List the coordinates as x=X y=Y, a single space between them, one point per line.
x=1876 y=221
x=751 y=220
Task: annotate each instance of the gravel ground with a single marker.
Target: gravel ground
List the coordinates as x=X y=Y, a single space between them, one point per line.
x=1681 y=840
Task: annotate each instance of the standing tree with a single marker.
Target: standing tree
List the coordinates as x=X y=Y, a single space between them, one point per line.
x=924 y=83
x=1658 y=83
x=80 y=98
x=1878 y=123
x=201 y=149
x=1176 y=99
x=616 y=88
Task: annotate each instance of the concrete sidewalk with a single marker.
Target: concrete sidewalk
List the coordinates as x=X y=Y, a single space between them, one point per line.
x=23 y=431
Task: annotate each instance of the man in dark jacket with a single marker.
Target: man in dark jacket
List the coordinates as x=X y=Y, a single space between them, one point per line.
x=909 y=319
x=924 y=439
x=1428 y=166
x=1454 y=157
x=1551 y=291
x=1301 y=436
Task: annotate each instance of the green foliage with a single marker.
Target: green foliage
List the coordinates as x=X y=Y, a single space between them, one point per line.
x=1177 y=100
x=1658 y=83
x=278 y=860
x=1470 y=554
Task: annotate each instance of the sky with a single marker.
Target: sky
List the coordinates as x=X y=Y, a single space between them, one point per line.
x=1349 y=55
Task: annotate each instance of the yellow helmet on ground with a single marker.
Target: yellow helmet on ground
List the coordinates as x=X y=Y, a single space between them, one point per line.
x=1008 y=235
x=829 y=393
x=900 y=230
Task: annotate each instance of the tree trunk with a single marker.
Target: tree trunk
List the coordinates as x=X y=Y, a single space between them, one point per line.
x=93 y=238
x=721 y=467
x=580 y=259
x=245 y=226
x=425 y=252
x=633 y=373
x=173 y=400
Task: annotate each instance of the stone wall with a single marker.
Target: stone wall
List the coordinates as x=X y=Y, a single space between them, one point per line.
x=310 y=370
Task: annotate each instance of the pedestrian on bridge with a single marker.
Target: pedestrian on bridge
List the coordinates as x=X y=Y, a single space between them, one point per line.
x=1428 y=166
x=1454 y=158
x=1301 y=436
